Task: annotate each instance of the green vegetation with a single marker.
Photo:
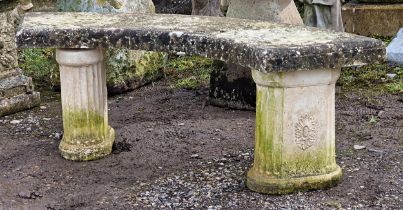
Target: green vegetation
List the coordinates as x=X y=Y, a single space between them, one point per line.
x=377 y=77
x=189 y=72
x=373 y=119
x=41 y=66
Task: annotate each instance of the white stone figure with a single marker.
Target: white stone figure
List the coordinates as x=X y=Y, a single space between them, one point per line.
x=323 y=14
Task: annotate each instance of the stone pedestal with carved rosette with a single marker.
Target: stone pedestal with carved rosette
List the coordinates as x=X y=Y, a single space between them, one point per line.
x=295 y=131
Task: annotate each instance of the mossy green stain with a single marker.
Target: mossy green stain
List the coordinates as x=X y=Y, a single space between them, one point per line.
x=269 y=128
x=84 y=127
x=269 y=154
x=87 y=135
x=308 y=163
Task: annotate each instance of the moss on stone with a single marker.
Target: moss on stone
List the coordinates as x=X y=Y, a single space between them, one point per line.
x=87 y=135
x=269 y=111
x=129 y=69
x=273 y=171
x=268 y=184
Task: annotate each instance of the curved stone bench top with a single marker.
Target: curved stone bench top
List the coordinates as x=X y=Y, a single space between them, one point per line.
x=263 y=46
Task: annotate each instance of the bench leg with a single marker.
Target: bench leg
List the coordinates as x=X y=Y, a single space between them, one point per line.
x=87 y=135
x=295 y=132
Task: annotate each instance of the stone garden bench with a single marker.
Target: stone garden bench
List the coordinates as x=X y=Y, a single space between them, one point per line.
x=295 y=69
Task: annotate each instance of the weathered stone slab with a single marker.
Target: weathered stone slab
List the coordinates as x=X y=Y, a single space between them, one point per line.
x=373 y=19
x=394 y=51
x=263 y=46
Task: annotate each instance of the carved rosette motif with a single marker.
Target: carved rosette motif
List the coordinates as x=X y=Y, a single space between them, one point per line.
x=306 y=132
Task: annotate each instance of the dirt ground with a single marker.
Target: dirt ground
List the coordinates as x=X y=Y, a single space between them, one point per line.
x=174 y=150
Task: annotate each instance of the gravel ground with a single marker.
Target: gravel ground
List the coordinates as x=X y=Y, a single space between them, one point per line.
x=174 y=151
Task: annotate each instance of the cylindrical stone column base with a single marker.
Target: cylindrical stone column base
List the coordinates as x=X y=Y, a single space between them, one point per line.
x=87 y=135
x=295 y=132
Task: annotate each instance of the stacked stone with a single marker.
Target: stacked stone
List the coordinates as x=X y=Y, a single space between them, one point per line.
x=373 y=17
x=16 y=90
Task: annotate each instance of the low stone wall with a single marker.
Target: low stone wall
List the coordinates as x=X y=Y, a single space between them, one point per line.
x=369 y=19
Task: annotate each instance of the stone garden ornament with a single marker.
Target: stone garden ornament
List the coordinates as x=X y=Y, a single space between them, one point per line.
x=295 y=80
x=323 y=14
x=16 y=90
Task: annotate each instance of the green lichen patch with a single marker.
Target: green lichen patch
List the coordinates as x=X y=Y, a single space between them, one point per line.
x=87 y=135
x=84 y=127
x=269 y=131
x=128 y=70
x=268 y=184
x=89 y=152
x=189 y=72
x=308 y=163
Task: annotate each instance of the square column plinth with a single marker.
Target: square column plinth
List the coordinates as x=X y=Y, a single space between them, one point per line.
x=295 y=132
x=87 y=135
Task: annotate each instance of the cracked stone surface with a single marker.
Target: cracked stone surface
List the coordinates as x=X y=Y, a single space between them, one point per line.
x=264 y=46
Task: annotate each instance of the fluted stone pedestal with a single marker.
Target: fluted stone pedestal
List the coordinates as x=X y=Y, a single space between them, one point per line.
x=87 y=135
x=295 y=132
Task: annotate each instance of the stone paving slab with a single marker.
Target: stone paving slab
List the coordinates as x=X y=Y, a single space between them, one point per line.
x=264 y=46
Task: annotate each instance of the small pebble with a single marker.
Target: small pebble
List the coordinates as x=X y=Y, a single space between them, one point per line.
x=390 y=76
x=58 y=135
x=24 y=195
x=15 y=121
x=359 y=147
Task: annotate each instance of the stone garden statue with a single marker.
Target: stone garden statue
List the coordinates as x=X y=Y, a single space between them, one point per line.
x=26 y=4
x=16 y=90
x=323 y=14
